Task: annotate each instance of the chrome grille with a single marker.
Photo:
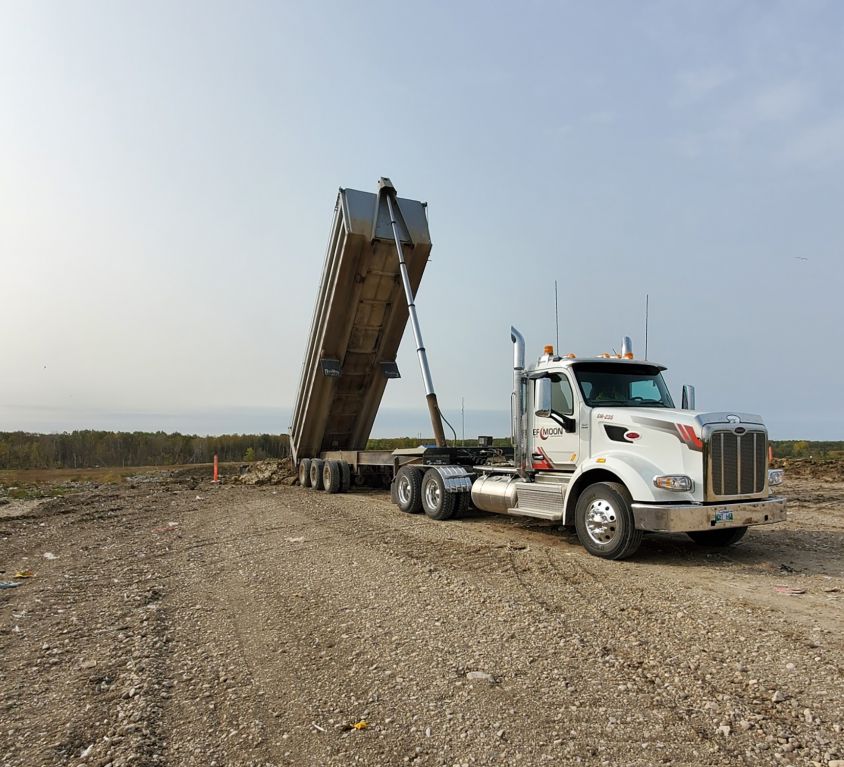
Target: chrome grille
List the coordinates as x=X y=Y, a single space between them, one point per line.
x=737 y=463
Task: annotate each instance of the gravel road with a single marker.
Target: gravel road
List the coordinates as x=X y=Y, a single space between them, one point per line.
x=189 y=624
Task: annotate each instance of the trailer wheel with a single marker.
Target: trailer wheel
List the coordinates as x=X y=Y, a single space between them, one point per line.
x=604 y=521
x=726 y=537
x=408 y=493
x=305 y=472
x=345 y=476
x=316 y=474
x=331 y=476
x=436 y=502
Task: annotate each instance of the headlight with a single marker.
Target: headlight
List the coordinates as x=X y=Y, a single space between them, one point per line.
x=775 y=477
x=679 y=482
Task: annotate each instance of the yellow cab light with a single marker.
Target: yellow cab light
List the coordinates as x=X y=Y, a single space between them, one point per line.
x=571 y=356
x=604 y=356
x=628 y=356
x=549 y=350
x=600 y=460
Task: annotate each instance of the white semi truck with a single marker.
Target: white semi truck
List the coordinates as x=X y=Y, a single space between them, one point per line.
x=597 y=442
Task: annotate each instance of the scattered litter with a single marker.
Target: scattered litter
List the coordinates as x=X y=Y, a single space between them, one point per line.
x=168 y=528
x=361 y=725
x=49 y=555
x=9 y=584
x=791 y=591
x=317 y=727
x=24 y=574
x=86 y=752
x=481 y=676
x=199 y=498
x=295 y=540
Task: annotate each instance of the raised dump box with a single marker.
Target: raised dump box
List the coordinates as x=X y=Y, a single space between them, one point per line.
x=360 y=316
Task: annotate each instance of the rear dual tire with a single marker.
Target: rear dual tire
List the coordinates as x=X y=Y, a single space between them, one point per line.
x=331 y=476
x=408 y=489
x=305 y=472
x=437 y=503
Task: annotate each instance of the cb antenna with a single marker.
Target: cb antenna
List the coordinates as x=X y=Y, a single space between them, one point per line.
x=557 y=317
x=646 y=325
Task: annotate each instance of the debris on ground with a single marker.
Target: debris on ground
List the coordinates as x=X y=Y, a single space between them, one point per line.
x=270 y=472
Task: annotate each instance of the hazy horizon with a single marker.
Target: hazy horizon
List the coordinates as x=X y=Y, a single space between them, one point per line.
x=170 y=173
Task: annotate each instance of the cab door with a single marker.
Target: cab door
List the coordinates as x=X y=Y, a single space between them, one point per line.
x=554 y=437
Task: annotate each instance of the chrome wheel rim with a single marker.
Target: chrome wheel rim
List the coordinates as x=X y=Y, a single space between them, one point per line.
x=601 y=522
x=403 y=490
x=432 y=495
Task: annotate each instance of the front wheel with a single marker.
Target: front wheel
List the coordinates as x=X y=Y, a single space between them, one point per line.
x=724 y=537
x=604 y=521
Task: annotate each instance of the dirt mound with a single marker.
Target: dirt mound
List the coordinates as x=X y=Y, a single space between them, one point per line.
x=270 y=472
x=826 y=469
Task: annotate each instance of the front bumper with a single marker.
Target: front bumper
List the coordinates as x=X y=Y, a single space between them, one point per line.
x=689 y=517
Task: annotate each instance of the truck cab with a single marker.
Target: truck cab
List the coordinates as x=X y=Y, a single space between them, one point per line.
x=601 y=446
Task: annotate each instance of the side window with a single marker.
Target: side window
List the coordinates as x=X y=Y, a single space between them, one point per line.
x=562 y=400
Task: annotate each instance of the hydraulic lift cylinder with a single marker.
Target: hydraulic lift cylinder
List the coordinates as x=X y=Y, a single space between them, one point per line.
x=433 y=407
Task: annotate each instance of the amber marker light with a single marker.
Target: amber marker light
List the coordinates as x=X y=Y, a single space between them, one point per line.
x=549 y=350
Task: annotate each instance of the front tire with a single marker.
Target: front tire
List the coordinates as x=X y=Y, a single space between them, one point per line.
x=436 y=502
x=408 y=492
x=725 y=537
x=604 y=521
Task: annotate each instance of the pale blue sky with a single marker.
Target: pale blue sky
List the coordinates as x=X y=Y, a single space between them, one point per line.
x=168 y=174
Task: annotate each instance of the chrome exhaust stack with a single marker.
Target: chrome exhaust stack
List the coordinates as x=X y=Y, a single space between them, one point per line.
x=517 y=403
x=627 y=348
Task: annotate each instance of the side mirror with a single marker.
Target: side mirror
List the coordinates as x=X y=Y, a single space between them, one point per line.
x=542 y=399
x=688 y=397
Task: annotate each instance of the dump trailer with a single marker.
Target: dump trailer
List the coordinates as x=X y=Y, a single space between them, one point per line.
x=598 y=444
x=377 y=252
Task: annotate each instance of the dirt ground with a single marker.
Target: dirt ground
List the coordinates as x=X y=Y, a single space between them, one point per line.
x=173 y=622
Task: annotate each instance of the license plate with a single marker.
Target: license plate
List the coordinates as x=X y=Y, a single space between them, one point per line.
x=723 y=516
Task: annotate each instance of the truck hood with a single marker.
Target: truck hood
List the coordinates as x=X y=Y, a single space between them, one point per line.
x=656 y=416
x=639 y=424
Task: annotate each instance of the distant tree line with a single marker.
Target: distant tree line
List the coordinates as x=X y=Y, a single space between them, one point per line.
x=86 y=449
x=801 y=448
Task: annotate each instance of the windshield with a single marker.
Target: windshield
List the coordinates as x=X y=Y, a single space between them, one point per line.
x=606 y=384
